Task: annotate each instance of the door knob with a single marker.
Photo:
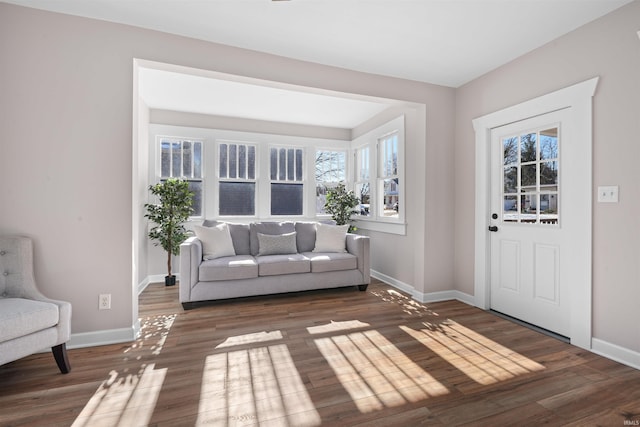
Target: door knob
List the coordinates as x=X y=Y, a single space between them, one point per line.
x=493 y=228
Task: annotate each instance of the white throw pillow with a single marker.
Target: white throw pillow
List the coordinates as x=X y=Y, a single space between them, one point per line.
x=216 y=241
x=331 y=238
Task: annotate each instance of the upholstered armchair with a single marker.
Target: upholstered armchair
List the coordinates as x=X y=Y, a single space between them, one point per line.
x=29 y=321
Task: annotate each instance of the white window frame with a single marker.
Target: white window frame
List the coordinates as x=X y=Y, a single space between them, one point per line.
x=302 y=181
x=329 y=184
x=219 y=179
x=376 y=221
x=160 y=139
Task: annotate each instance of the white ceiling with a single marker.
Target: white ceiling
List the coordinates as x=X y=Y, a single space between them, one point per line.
x=226 y=96
x=445 y=42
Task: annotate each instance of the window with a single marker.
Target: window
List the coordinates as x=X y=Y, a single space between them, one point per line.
x=286 y=181
x=237 y=179
x=388 y=178
x=530 y=178
x=180 y=158
x=378 y=174
x=362 y=184
x=330 y=170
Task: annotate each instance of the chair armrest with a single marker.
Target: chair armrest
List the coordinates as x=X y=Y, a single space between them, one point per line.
x=190 y=259
x=359 y=246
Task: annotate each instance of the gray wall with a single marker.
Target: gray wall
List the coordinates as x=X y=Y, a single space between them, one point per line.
x=73 y=174
x=609 y=48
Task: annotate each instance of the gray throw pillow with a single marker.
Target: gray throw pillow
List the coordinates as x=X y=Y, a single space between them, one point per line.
x=280 y=244
x=271 y=228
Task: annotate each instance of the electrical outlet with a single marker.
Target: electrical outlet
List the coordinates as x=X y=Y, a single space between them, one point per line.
x=104 y=302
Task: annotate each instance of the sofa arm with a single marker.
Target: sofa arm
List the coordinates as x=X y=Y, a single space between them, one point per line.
x=190 y=259
x=359 y=246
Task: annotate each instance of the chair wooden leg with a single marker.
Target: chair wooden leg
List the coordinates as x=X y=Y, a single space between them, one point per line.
x=362 y=287
x=60 y=354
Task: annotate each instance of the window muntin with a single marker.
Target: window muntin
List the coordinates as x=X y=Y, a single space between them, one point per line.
x=330 y=170
x=237 y=179
x=287 y=183
x=362 y=181
x=388 y=177
x=530 y=184
x=182 y=158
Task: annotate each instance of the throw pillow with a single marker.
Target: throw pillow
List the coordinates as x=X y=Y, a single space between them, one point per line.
x=277 y=244
x=273 y=228
x=216 y=241
x=330 y=238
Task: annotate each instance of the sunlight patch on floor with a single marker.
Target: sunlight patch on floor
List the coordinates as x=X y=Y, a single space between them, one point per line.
x=251 y=338
x=128 y=398
x=337 y=327
x=481 y=359
x=375 y=373
x=257 y=386
x=124 y=400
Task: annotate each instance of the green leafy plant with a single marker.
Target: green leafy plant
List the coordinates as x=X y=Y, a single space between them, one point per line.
x=169 y=214
x=340 y=204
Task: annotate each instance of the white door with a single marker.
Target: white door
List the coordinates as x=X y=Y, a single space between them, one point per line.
x=534 y=220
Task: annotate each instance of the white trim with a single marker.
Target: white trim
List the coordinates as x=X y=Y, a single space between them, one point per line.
x=404 y=287
x=615 y=352
x=380 y=226
x=143 y=285
x=444 y=296
x=422 y=297
x=104 y=337
x=579 y=99
x=153 y=278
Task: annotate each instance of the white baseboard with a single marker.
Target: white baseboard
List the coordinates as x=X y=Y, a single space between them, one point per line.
x=615 y=352
x=154 y=278
x=110 y=336
x=393 y=282
x=423 y=297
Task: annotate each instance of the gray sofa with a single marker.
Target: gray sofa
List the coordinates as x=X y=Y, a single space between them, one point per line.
x=252 y=271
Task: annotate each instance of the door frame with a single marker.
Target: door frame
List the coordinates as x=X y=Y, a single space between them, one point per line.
x=578 y=99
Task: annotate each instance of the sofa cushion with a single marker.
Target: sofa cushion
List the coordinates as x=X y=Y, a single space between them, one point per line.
x=267 y=228
x=19 y=317
x=331 y=261
x=331 y=238
x=273 y=265
x=305 y=236
x=239 y=235
x=228 y=268
x=279 y=244
x=216 y=241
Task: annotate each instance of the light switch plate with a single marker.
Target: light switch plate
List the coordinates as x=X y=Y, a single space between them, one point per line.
x=608 y=194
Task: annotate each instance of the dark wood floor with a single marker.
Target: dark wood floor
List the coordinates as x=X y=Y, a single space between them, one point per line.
x=337 y=357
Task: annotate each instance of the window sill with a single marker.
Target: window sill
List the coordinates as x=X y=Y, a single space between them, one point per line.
x=381 y=226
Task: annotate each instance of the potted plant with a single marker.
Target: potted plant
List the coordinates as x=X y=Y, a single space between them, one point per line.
x=168 y=215
x=340 y=203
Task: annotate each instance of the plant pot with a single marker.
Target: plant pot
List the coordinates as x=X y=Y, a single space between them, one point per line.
x=169 y=280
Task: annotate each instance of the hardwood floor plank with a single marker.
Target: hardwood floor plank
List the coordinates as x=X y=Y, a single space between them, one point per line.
x=337 y=358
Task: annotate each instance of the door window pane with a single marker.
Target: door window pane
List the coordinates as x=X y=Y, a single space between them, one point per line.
x=528 y=148
x=549 y=174
x=530 y=178
x=510 y=209
x=510 y=179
